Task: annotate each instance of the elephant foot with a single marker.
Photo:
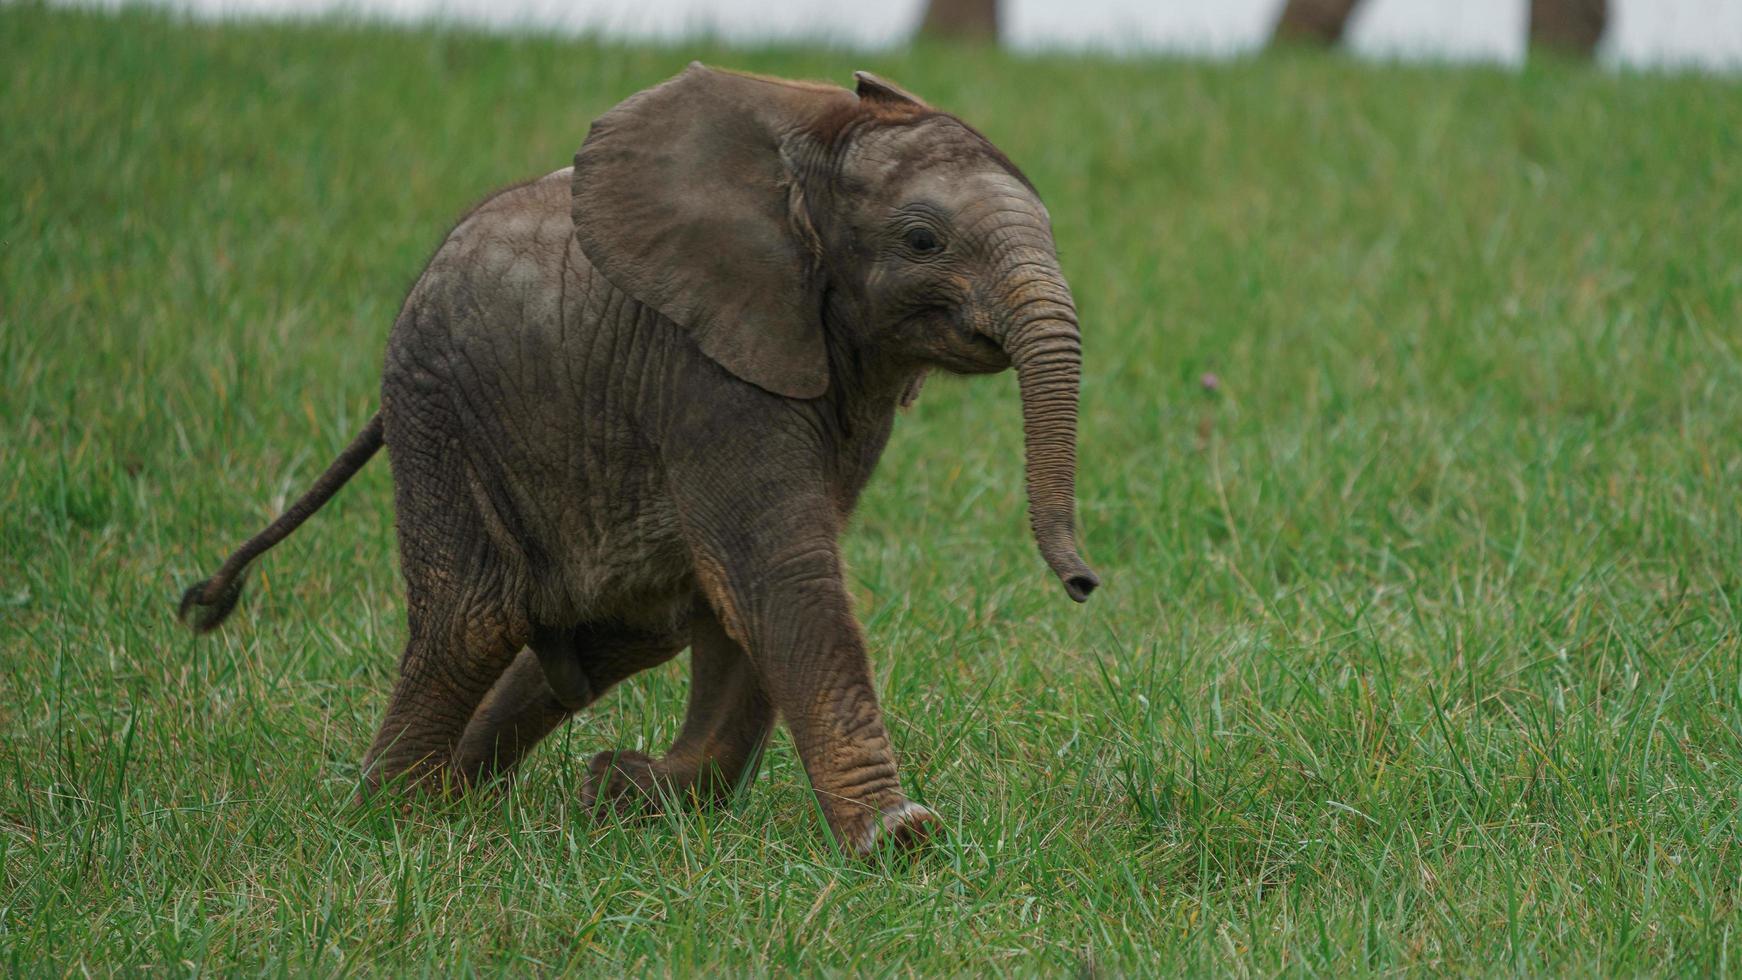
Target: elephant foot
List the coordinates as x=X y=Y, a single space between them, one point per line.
x=422 y=781
x=625 y=784
x=902 y=827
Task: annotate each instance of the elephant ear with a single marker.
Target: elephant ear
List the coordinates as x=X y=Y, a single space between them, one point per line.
x=871 y=88
x=683 y=198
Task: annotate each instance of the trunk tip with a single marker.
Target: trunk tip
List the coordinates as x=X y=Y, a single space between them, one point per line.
x=1078 y=585
x=1061 y=556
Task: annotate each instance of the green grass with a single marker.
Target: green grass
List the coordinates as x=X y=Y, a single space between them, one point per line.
x=1419 y=648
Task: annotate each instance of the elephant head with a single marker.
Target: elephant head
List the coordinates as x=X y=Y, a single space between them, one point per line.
x=741 y=208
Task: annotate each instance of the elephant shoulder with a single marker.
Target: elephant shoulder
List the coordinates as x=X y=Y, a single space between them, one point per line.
x=522 y=223
x=499 y=272
x=505 y=250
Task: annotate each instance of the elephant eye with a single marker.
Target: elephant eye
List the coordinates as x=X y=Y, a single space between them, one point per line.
x=922 y=240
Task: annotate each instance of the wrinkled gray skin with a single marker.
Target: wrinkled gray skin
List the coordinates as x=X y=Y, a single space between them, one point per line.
x=630 y=407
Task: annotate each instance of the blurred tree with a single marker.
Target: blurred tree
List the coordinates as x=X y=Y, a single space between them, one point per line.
x=961 y=20
x=1569 y=26
x=1313 y=21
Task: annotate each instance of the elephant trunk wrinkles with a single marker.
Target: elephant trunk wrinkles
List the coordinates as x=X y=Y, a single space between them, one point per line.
x=1044 y=345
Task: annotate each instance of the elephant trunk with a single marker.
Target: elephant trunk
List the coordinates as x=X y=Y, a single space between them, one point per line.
x=1045 y=347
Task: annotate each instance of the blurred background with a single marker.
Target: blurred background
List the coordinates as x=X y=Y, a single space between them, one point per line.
x=1641 y=33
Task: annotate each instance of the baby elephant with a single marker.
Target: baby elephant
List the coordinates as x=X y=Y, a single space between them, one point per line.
x=630 y=406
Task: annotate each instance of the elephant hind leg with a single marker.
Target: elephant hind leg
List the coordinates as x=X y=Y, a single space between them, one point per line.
x=467 y=619
x=446 y=670
x=466 y=587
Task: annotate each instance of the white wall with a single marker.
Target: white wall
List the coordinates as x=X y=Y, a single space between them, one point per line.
x=1642 y=32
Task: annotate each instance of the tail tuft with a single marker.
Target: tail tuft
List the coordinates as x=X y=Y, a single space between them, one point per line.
x=202 y=614
x=207 y=604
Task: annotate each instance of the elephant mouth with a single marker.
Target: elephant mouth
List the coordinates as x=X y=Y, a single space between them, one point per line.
x=977 y=353
x=988 y=349
x=947 y=339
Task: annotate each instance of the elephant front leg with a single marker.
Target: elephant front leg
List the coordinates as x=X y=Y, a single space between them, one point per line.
x=793 y=614
x=720 y=746
x=517 y=713
x=563 y=671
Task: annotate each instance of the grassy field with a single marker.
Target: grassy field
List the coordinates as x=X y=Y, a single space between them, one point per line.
x=1419 y=648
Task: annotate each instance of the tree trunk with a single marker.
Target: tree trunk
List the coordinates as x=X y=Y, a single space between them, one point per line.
x=961 y=20
x=1571 y=27
x=1318 y=22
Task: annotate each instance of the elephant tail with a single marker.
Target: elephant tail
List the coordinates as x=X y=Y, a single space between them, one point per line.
x=208 y=603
